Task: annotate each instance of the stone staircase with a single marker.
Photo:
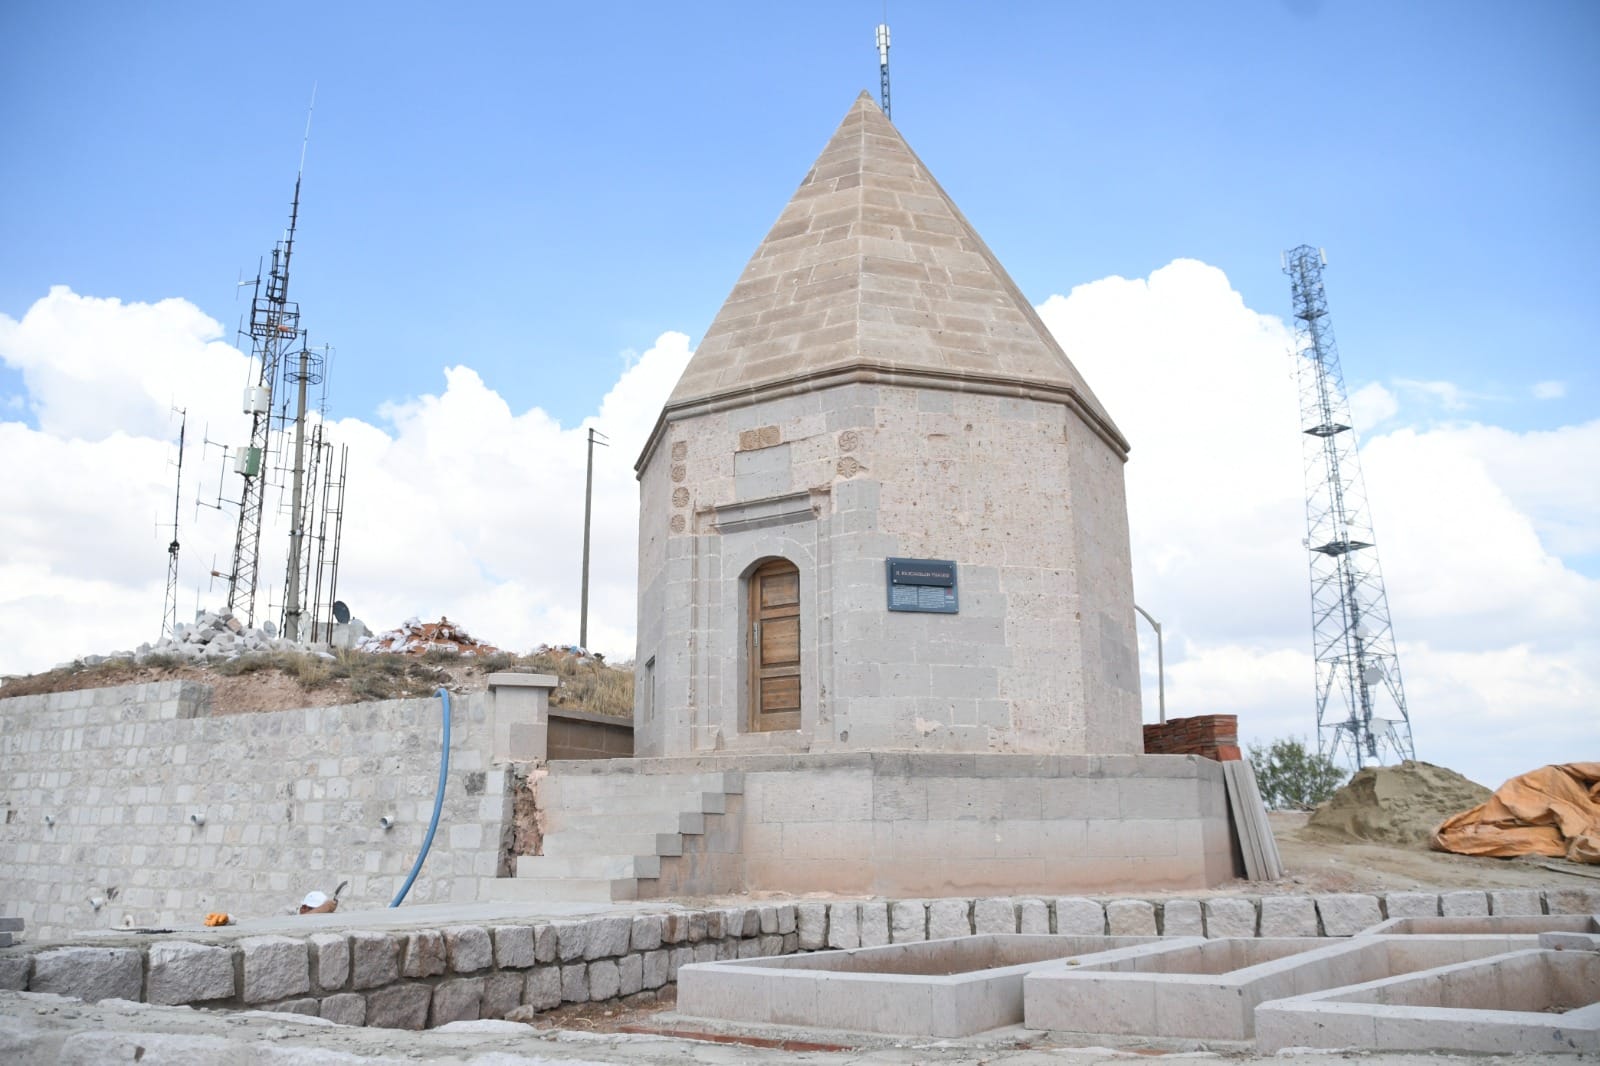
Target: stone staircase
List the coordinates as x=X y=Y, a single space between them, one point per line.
x=629 y=836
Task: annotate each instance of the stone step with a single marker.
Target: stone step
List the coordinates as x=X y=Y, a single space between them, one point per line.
x=580 y=788
x=558 y=890
x=641 y=843
x=581 y=867
x=600 y=827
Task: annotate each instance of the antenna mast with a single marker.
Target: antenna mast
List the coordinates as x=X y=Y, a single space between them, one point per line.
x=169 y=605
x=274 y=329
x=1361 y=704
x=883 y=62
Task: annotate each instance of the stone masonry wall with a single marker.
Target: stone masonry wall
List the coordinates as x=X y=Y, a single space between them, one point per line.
x=1041 y=656
x=420 y=978
x=99 y=786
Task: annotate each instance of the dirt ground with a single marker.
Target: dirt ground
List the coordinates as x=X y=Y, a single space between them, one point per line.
x=1321 y=865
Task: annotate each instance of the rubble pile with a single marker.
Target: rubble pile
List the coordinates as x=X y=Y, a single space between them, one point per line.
x=416 y=637
x=217 y=636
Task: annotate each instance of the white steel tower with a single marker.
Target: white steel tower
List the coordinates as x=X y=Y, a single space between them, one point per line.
x=1361 y=704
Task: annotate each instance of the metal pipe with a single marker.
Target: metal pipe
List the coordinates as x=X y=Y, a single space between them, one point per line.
x=1161 y=666
x=438 y=802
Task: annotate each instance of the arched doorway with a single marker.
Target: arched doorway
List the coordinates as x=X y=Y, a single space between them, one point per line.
x=772 y=640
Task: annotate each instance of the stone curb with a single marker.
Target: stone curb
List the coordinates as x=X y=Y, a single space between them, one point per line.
x=423 y=978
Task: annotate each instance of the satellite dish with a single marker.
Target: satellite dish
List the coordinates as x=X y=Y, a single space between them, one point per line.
x=341 y=613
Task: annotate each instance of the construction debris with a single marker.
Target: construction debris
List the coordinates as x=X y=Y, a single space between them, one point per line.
x=416 y=637
x=216 y=636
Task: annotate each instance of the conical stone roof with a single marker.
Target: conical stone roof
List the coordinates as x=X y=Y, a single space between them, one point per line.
x=872 y=274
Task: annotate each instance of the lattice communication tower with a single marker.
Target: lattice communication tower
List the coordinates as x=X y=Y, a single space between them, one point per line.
x=883 y=67
x=1361 y=703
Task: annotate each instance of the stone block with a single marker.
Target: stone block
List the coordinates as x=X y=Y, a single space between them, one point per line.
x=1181 y=917
x=682 y=955
x=345 y=1008
x=468 y=949
x=1518 y=902
x=655 y=969
x=572 y=940
x=14 y=971
x=811 y=922
x=1347 y=914
x=767 y=916
x=604 y=980
x=713 y=926
x=543 y=991
x=1033 y=917
x=608 y=937
x=544 y=943
x=1077 y=916
x=275 y=967
x=646 y=933
x=749 y=948
x=401 y=1006
x=996 y=914
x=674 y=928
x=844 y=925
x=1412 y=904
x=514 y=948
x=575 y=982
x=460 y=999
x=1131 y=917
x=1231 y=917
x=949 y=918
x=502 y=993
x=1288 y=916
x=752 y=923
x=1572 y=900
x=908 y=921
x=181 y=972
x=1463 y=904
x=425 y=956
x=330 y=961
x=630 y=974
x=786 y=919
x=89 y=974
x=874 y=916
x=374 y=959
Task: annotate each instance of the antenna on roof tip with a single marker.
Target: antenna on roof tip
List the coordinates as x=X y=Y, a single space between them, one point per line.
x=883 y=62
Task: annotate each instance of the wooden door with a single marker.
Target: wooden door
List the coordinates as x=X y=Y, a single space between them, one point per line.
x=774 y=645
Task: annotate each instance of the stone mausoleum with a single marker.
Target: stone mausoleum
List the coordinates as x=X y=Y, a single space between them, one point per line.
x=881 y=509
x=886 y=623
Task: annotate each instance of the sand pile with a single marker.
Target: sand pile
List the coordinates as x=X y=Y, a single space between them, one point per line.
x=1395 y=804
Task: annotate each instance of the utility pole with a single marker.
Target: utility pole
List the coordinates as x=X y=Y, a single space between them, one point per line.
x=588 y=500
x=1161 y=664
x=297 y=518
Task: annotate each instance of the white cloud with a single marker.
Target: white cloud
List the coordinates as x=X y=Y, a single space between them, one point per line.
x=1476 y=527
x=460 y=505
x=456 y=504
x=1549 y=390
x=1371 y=405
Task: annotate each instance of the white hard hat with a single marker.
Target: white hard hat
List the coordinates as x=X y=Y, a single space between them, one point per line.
x=314 y=899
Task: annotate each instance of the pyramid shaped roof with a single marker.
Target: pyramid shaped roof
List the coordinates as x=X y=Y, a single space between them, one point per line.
x=873 y=274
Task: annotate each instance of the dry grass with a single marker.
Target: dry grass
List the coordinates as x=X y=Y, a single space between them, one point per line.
x=357 y=677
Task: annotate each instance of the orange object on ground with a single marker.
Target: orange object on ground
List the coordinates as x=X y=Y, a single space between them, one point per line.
x=217 y=918
x=1552 y=811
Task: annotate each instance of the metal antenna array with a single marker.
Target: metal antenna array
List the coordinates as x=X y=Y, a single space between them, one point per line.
x=883 y=63
x=1361 y=704
x=169 y=604
x=274 y=329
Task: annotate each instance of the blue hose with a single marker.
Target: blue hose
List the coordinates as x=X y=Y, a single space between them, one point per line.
x=438 y=803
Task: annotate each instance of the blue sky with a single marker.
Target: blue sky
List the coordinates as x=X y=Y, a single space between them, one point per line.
x=518 y=220
x=539 y=188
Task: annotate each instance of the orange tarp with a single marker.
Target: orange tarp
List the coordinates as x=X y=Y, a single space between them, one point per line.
x=1552 y=811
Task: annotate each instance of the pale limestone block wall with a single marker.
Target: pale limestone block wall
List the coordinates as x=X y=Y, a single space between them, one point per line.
x=1025 y=498
x=291 y=800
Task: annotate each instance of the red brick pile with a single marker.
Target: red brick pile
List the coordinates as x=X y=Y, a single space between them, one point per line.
x=1216 y=736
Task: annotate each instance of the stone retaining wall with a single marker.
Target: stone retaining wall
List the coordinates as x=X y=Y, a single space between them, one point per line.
x=99 y=787
x=426 y=977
